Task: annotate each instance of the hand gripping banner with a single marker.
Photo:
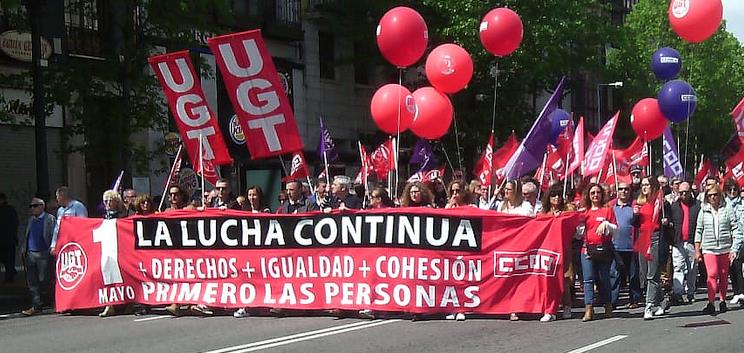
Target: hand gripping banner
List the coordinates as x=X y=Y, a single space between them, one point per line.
x=409 y=260
x=189 y=107
x=253 y=85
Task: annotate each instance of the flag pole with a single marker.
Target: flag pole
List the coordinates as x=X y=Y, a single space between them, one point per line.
x=364 y=179
x=614 y=168
x=170 y=176
x=396 y=150
x=201 y=162
x=565 y=173
x=490 y=160
x=542 y=175
x=325 y=163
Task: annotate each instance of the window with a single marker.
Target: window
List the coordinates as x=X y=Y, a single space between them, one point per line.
x=82 y=24
x=327 y=55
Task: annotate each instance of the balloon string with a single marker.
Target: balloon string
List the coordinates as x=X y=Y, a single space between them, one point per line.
x=687 y=127
x=397 y=140
x=449 y=162
x=457 y=139
x=495 y=87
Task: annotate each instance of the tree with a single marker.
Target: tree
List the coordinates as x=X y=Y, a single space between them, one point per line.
x=560 y=38
x=714 y=68
x=109 y=100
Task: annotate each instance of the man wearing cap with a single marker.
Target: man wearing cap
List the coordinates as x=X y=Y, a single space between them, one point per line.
x=636 y=172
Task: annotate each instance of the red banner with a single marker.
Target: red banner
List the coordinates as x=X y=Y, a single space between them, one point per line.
x=256 y=94
x=433 y=260
x=189 y=107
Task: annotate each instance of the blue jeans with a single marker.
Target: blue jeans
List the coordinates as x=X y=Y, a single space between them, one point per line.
x=628 y=274
x=595 y=271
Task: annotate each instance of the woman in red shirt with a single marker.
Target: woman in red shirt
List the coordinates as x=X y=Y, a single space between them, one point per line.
x=596 y=254
x=653 y=218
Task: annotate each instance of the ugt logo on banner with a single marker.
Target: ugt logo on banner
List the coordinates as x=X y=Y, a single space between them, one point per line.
x=256 y=94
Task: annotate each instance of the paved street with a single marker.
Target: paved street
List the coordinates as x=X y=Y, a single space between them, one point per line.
x=683 y=330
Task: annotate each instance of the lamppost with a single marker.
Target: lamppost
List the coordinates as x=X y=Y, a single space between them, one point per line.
x=617 y=84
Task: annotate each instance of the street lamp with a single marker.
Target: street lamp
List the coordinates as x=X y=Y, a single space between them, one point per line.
x=617 y=84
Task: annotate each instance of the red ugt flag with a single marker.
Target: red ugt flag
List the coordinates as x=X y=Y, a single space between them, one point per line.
x=597 y=152
x=189 y=108
x=383 y=159
x=256 y=94
x=735 y=166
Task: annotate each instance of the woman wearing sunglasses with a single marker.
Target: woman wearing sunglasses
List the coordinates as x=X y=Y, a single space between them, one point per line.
x=554 y=204
x=718 y=239
x=597 y=253
x=458 y=194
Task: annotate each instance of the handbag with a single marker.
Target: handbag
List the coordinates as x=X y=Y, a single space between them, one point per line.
x=601 y=252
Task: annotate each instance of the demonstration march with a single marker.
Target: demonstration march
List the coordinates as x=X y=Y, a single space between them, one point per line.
x=555 y=222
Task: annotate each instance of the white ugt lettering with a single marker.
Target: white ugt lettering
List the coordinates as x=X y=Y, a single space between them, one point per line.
x=188 y=80
x=254 y=59
x=267 y=126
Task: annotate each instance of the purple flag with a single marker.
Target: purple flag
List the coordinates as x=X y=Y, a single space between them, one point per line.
x=423 y=154
x=672 y=165
x=529 y=155
x=326 y=145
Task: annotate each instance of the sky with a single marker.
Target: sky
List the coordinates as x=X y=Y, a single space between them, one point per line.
x=733 y=13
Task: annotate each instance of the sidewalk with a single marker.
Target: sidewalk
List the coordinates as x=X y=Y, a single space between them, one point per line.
x=14 y=297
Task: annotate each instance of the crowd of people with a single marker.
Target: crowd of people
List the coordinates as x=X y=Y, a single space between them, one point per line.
x=658 y=238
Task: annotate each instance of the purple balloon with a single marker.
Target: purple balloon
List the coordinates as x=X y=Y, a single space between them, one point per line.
x=666 y=63
x=677 y=100
x=558 y=120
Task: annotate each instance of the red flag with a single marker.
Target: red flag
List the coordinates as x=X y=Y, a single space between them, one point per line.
x=382 y=159
x=577 y=148
x=705 y=170
x=735 y=167
x=502 y=156
x=189 y=108
x=205 y=166
x=299 y=168
x=484 y=168
x=738 y=116
x=256 y=93
x=635 y=154
x=176 y=170
x=365 y=167
x=597 y=153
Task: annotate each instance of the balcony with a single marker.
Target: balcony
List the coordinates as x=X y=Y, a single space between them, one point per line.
x=277 y=18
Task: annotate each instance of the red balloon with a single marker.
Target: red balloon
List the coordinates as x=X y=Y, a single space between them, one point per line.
x=695 y=20
x=449 y=68
x=647 y=120
x=433 y=113
x=402 y=36
x=501 y=31
x=388 y=102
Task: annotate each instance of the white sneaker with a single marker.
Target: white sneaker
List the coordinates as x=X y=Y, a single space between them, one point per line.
x=737 y=299
x=240 y=313
x=659 y=311
x=450 y=317
x=547 y=318
x=460 y=317
x=648 y=313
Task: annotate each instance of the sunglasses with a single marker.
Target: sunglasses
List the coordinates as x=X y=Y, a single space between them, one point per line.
x=709 y=195
x=555 y=194
x=34 y=205
x=623 y=189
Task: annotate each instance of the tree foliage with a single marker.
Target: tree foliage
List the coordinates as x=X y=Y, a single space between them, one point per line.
x=714 y=68
x=111 y=99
